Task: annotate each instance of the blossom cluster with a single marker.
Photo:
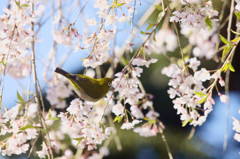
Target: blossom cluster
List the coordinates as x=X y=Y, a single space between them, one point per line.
x=18 y=130
x=67 y=35
x=97 y=43
x=16 y=34
x=199 y=24
x=161 y=44
x=19 y=67
x=58 y=91
x=81 y=123
x=100 y=42
x=191 y=98
x=132 y=101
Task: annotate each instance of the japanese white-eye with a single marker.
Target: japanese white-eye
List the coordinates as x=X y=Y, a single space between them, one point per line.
x=87 y=88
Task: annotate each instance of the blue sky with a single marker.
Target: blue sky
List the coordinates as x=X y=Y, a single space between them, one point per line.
x=219 y=123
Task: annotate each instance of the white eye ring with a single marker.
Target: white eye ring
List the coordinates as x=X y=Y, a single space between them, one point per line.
x=109 y=84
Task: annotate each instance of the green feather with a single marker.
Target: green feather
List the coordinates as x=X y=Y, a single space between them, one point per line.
x=87 y=88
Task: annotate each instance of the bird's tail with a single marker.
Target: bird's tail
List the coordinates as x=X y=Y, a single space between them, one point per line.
x=64 y=73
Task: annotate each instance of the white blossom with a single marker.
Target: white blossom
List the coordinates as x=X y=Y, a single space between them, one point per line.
x=202 y=75
x=161 y=44
x=194 y=63
x=58 y=91
x=194 y=27
x=183 y=88
x=130 y=125
x=19 y=67
x=237 y=6
x=16 y=127
x=32 y=110
x=224 y=98
x=143 y=62
x=43 y=153
x=118 y=109
x=136 y=112
x=146 y=131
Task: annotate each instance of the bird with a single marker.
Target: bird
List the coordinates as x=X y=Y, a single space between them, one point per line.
x=87 y=88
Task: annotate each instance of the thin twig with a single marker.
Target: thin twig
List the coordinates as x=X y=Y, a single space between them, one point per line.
x=116 y=137
x=227 y=77
x=230 y=21
x=38 y=95
x=170 y=156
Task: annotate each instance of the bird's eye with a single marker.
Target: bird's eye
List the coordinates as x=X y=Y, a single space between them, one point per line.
x=109 y=84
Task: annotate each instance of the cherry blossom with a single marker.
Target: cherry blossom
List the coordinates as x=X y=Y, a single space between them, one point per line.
x=19 y=131
x=161 y=44
x=190 y=97
x=58 y=90
x=128 y=87
x=16 y=35
x=237 y=7
x=20 y=67
x=118 y=109
x=199 y=26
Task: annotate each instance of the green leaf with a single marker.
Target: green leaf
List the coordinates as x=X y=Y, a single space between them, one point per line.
x=224 y=40
x=201 y=101
x=4 y=137
x=54 y=118
x=236 y=40
x=118 y=119
x=25 y=5
x=154 y=17
x=78 y=139
x=21 y=5
x=20 y=99
x=150 y=121
x=158 y=7
x=185 y=122
x=225 y=68
x=208 y=22
x=150 y=26
x=145 y=33
x=226 y=50
x=116 y=4
x=231 y=68
x=123 y=60
x=3 y=62
x=28 y=127
x=18 y=4
x=237 y=14
x=200 y=94
x=228 y=66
